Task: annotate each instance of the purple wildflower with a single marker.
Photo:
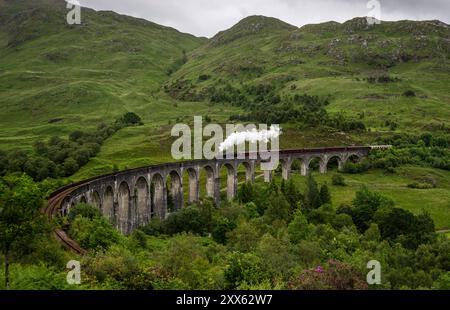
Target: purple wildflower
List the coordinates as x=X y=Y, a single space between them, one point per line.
x=319 y=269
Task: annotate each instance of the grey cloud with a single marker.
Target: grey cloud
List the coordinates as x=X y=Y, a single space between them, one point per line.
x=207 y=17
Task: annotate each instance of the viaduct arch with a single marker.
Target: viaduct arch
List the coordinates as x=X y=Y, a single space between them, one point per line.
x=132 y=198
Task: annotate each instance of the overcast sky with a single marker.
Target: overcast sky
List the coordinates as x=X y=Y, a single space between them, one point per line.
x=207 y=17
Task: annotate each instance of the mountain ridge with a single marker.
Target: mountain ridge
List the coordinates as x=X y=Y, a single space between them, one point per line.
x=113 y=63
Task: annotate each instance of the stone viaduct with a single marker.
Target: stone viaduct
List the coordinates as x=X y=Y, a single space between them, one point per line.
x=130 y=199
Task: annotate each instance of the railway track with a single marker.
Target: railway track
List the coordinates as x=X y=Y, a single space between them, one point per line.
x=54 y=206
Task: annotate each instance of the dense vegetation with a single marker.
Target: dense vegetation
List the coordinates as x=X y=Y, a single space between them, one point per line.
x=428 y=150
x=272 y=237
x=60 y=78
x=61 y=158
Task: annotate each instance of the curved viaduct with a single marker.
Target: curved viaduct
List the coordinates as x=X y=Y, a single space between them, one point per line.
x=130 y=199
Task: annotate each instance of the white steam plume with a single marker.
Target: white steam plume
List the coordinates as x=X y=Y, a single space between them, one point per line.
x=252 y=136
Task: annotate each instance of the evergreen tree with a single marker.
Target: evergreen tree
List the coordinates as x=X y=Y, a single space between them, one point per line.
x=325 y=196
x=273 y=188
x=245 y=193
x=292 y=194
x=312 y=195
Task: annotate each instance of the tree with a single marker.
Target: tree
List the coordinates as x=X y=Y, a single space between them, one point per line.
x=40 y=168
x=342 y=220
x=278 y=209
x=131 y=118
x=40 y=147
x=365 y=204
x=76 y=135
x=70 y=166
x=325 y=196
x=245 y=193
x=185 y=257
x=275 y=255
x=243 y=238
x=299 y=229
x=403 y=226
x=81 y=156
x=222 y=226
x=55 y=141
x=3 y=163
x=323 y=215
x=291 y=193
x=20 y=201
x=16 y=160
x=243 y=268
x=372 y=233
x=312 y=195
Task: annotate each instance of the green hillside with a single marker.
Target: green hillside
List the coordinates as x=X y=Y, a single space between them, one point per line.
x=358 y=67
x=55 y=77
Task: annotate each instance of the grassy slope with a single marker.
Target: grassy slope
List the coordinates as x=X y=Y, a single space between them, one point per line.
x=434 y=201
x=332 y=60
x=151 y=143
x=79 y=75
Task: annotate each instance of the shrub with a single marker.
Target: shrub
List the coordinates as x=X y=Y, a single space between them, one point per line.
x=84 y=210
x=337 y=276
x=131 y=118
x=203 y=77
x=243 y=268
x=194 y=219
x=222 y=226
x=409 y=93
x=342 y=220
x=417 y=185
x=117 y=268
x=96 y=233
x=154 y=228
x=36 y=277
x=353 y=168
x=443 y=282
x=338 y=180
x=139 y=239
x=323 y=215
